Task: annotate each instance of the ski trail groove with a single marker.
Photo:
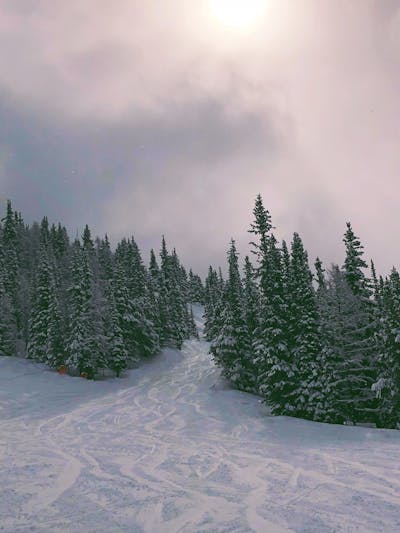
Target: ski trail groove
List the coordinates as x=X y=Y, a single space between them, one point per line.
x=176 y=450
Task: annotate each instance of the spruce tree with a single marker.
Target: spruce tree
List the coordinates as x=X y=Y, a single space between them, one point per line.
x=303 y=331
x=320 y=276
x=354 y=264
x=80 y=345
x=387 y=384
x=231 y=348
x=252 y=314
x=117 y=359
x=272 y=349
x=360 y=285
x=46 y=343
x=344 y=319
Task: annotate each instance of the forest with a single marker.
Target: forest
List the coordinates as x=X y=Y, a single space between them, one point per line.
x=322 y=345
x=83 y=307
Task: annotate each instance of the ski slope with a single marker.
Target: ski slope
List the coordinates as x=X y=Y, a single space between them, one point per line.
x=170 y=448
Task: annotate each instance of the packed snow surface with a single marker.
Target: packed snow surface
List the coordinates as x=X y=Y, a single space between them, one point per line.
x=171 y=448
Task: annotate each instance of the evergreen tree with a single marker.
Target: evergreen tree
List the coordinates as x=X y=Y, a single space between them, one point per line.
x=320 y=276
x=387 y=384
x=87 y=241
x=272 y=349
x=273 y=356
x=252 y=315
x=347 y=380
x=154 y=270
x=46 y=343
x=231 y=348
x=193 y=331
x=261 y=228
x=196 y=289
x=82 y=353
x=213 y=303
x=8 y=330
x=303 y=331
x=117 y=354
x=360 y=285
x=354 y=264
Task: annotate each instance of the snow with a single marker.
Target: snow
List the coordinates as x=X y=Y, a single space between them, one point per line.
x=172 y=448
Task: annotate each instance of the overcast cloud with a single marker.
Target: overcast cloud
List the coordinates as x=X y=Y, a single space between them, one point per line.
x=151 y=117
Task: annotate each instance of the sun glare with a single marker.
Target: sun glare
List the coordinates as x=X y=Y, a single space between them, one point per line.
x=238 y=13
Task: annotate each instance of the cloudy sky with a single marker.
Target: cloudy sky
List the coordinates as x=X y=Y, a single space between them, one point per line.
x=165 y=116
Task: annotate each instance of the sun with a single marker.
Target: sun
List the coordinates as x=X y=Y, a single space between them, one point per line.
x=239 y=14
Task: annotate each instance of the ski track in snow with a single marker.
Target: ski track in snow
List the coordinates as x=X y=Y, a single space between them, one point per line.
x=171 y=448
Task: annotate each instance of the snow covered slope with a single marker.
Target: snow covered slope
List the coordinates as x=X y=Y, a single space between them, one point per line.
x=170 y=448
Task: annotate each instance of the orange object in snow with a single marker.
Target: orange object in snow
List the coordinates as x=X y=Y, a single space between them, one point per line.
x=84 y=375
x=62 y=369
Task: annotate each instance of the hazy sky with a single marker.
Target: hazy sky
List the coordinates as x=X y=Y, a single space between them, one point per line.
x=151 y=117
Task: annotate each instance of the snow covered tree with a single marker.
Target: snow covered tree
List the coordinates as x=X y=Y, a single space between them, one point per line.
x=303 y=330
x=8 y=327
x=354 y=264
x=46 y=343
x=117 y=355
x=192 y=330
x=261 y=228
x=154 y=270
x=231 y=348
x=347 y=378
x=196 y=289
x=320 y=276
x=212 y=304
x=360 y=285
x=83 y=351
x=271 y=345
x=272 y=350
x=87 y=240
x=387 y=384
x=251 y=303
x=11 y=281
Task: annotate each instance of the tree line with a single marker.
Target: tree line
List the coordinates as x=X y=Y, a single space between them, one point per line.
x=82 y=306
x=322 y=346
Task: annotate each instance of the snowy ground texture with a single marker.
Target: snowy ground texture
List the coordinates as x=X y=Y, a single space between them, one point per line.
x=170 y=448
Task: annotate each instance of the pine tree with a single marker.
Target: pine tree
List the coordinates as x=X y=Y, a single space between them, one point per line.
x=193 y=331
x=272 y=349
x=117 y=359
x=273 y=356
x=360 y=285
x=196 y=289
x=387 y=384
x=11 y=281
x=320 y=276
x=212 y=298
x=347 y=394
x=154 y=270
x=44 y=232
x=231 y=348
x=125 y=312
x=303 y=331
x=252 y=314
x=82 y=349
x=261 y=228
x=45 y=337
x=87 y=241
x=8 y=330
x=354 y=264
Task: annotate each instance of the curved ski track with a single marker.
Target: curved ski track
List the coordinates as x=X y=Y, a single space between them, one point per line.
x=178 y=451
